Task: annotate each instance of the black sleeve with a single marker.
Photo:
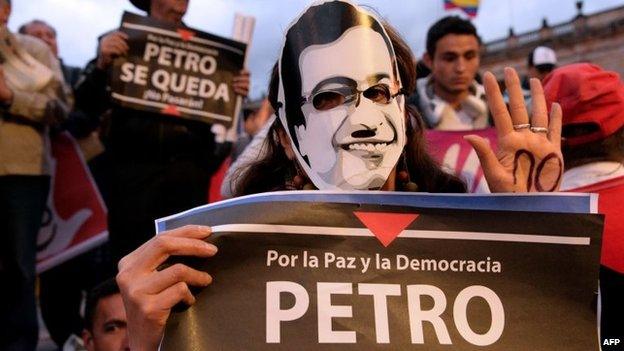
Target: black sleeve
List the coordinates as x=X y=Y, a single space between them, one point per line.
x=92 y=92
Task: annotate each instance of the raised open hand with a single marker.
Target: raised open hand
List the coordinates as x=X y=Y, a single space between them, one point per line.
x=529 y=151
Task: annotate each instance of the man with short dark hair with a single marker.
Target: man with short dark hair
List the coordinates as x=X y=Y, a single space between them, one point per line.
x=159 y=165
x=105 y=319
x=450 y=98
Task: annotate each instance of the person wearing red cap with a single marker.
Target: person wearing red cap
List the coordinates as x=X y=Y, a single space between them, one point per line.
x=592 y=100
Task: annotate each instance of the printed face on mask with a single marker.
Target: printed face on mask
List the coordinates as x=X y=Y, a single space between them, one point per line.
x=354 y=124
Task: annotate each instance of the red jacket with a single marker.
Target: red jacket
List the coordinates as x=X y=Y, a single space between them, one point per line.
x=611 y=204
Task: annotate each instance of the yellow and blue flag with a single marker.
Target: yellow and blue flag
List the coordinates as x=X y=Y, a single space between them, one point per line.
x=470 y=7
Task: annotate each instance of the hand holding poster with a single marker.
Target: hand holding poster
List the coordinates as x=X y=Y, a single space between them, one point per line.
x=177 y=71
x=352 y=274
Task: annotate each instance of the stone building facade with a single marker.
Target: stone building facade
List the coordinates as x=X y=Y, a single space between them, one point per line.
x=596 y=38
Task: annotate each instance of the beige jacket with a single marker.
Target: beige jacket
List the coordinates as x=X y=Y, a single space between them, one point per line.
x=24 y=124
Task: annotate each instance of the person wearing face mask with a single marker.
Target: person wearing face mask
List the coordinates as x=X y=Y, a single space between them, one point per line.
x=342 y=126
x=385 y=133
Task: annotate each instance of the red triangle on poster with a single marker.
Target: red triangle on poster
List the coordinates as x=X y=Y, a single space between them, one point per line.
x=186 y=34
x=386 y=226
x=171 y=110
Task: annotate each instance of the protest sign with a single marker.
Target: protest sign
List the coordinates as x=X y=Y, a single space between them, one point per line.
x=357 y=273
x=458 y=157
x=177 y=71
x=75 y=217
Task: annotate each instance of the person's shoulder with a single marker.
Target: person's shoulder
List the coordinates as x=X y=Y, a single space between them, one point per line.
x=38 y=49
x=415 y=97
x=32 y=44
x=71 y=73
x=479 y=88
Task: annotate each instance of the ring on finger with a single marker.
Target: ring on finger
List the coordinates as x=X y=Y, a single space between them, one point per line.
x=521 y=126
x=539 y=130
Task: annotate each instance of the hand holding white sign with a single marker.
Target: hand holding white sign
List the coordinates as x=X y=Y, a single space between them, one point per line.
x=149 y=294
x=529 y=152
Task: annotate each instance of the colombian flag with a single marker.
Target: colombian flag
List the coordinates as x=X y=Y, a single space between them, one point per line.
x=470 y=7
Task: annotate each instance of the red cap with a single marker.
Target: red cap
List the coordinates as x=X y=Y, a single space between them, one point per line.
x=587 y=94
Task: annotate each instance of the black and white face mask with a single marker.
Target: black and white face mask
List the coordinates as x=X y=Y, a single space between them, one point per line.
x=339 y=92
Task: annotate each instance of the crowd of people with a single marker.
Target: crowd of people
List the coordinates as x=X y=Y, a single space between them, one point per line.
x=148 y=165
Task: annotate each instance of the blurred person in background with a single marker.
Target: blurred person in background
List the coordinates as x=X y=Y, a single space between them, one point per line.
x=105 y=319
x=160 y=165
x=44 y=31
x=32 y=99
x=61 y=288
x=255 y=116
x=258 y=118
x=592 y=100
x=450 y=98
x=541 y=61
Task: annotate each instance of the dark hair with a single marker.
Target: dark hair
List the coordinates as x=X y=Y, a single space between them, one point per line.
x=610 y=148
x=300 y=36
x=273 y=169
x=107 y=288
x=24 y=27
x=545 y=68
x=448 y=25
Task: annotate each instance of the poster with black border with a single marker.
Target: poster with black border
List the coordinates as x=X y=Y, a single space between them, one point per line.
x=394 y=271
x=177 y=71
